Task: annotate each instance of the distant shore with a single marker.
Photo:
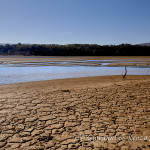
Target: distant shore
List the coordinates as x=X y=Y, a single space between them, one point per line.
x=20 y=57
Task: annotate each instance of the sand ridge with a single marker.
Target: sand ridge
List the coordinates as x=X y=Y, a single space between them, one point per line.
x=76 y=114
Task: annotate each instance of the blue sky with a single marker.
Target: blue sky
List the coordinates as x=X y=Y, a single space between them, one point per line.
x=75 y=21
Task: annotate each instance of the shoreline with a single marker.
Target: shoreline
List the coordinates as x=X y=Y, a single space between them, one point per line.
x=86 y=78
x=76 y=82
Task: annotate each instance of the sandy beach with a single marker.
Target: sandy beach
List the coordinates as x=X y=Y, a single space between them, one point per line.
x=82 y=113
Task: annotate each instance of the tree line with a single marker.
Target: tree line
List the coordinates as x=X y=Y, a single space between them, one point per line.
x=74 y=50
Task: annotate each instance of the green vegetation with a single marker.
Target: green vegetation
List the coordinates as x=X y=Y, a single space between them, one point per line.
x=74 y=50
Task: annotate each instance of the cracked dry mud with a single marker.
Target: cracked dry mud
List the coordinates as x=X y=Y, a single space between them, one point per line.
x=71 y=117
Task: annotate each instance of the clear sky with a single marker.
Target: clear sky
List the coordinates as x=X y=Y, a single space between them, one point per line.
x=75 y=21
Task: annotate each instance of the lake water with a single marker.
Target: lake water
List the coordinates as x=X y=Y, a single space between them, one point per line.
x=27 y=72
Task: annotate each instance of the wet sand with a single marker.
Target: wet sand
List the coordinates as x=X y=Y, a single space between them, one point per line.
x=81 y=113
x=110 y=61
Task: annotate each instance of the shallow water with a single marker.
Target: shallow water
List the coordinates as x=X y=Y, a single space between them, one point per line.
x=31 y=72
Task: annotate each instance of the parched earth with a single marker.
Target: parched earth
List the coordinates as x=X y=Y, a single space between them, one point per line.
x=115 y=116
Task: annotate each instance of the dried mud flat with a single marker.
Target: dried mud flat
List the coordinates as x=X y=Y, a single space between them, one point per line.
x=84 y=113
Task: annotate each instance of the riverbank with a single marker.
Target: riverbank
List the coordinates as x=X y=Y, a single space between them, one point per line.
x=54 y=114
x=19 y=57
